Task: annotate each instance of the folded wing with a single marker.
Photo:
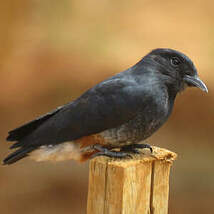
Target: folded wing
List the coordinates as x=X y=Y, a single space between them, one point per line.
x=107 y=105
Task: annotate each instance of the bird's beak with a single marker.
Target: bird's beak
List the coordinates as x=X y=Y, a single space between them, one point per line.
x=195 y=81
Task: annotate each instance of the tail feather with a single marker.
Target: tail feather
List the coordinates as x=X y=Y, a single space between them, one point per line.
x=20 y=136
x=24 y=130
x=17 y=155
x=16 y=145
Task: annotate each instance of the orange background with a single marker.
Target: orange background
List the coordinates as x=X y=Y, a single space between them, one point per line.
x=52 y=51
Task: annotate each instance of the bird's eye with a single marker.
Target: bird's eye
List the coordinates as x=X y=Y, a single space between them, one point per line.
x=175 y=61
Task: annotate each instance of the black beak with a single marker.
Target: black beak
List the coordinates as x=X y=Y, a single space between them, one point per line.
x=195 y=81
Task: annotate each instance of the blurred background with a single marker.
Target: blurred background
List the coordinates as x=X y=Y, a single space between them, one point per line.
x=52 y=51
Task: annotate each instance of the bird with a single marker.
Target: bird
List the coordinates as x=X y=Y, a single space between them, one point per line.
x=114 y=117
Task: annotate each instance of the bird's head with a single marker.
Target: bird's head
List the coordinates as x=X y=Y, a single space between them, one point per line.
x=176 y=68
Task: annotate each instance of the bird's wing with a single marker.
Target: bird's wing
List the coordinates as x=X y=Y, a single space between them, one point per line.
x=26 y=129
x=107 y=105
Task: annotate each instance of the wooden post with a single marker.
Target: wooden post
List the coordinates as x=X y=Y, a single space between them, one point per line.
x=130 y=186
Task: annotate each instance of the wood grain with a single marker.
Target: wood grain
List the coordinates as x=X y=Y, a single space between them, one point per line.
x=130 y=186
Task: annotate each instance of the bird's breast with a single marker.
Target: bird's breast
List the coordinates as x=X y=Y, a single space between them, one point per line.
x=146 y=122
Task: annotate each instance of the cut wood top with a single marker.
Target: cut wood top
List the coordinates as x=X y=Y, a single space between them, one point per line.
x=159 y=154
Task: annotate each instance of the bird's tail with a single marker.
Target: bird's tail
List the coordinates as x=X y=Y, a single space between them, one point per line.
x=17 y=155
x=20 y=135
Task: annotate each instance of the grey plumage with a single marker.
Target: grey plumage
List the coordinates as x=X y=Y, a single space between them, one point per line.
x=128 y=107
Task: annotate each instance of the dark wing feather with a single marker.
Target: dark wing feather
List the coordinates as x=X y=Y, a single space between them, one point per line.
x=26 y=129
x=107 y=105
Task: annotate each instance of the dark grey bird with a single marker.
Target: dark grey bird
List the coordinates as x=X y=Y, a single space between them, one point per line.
x=119 y=112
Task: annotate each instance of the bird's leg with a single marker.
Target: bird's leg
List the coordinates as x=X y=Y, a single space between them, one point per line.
x=133 y=148
x=107 y=152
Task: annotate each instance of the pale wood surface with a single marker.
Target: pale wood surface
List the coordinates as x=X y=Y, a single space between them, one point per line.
x=130 y=186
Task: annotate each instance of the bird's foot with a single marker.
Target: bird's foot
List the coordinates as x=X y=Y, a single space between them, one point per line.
x=133 y=148
x=102 y=151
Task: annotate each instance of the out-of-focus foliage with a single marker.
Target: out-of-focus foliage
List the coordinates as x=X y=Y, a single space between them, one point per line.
x=51 y=51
